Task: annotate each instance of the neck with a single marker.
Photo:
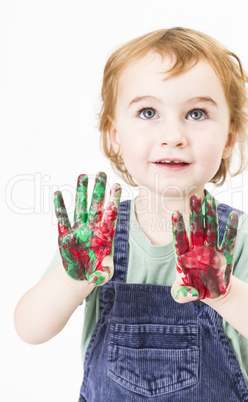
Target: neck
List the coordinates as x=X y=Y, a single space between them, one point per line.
x=153 y=213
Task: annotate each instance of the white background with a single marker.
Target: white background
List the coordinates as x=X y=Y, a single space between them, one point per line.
x=52 y=55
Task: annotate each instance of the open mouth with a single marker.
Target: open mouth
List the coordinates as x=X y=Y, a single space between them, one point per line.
x=177 y=163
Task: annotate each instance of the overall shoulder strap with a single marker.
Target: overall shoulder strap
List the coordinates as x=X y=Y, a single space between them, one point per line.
x=121 y=243
x=223 y=211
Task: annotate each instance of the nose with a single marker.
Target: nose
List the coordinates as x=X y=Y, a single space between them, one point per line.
x=173 y=136
x=179 y=144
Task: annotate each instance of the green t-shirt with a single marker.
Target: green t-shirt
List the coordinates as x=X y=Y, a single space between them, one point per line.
x=144 y=255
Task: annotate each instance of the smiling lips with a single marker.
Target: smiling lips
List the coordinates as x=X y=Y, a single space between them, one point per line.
x=169 y=163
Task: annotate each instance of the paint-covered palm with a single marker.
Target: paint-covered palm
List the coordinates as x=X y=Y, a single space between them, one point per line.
x=84 y=246
x=203 y=268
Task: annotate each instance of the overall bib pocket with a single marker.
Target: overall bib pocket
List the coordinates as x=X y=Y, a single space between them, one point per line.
x=152 y=359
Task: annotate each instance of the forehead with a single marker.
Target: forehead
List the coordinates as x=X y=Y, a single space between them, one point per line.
x=150 y=75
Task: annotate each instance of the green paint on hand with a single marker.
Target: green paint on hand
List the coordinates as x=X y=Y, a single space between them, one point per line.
x=185 y=291
x=84 y=246
x=200 y=263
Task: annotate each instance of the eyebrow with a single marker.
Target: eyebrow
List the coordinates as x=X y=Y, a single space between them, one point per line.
x=205 y=99
x=140 y=98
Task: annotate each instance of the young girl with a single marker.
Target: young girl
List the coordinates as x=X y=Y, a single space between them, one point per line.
x=170 y=322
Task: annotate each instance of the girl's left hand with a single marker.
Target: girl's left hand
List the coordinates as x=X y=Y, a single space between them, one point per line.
x=203 y=269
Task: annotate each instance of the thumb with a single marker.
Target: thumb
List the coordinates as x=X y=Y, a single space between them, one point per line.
x=103 y=273
x=184 y=294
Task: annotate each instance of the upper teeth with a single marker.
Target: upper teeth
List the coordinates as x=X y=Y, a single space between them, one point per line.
x=170 y=161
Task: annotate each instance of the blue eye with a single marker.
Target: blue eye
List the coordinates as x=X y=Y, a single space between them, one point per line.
x=197 y=114
x=147 y=113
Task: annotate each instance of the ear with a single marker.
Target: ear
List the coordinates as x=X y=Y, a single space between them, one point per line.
x=114 y=138
x=231 y=140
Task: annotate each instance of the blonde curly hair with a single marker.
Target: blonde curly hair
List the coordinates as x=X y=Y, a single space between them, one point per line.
x=188 y=47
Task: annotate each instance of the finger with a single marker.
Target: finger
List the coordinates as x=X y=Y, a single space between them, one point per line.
x=184 y=294
x=229 y=239
x=103 y=274
x=63 y=221
x=212 y=235
x=196 y=221
x=80 y=213
x=180 y=237
x=97 y=200
x=110 y=215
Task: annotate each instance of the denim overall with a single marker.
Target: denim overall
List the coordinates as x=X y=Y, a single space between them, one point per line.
x=147 y=347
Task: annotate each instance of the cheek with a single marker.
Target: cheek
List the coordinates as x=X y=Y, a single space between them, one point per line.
x=208 y=156
x=209 y=152
x=134 y=147
x=135 y=155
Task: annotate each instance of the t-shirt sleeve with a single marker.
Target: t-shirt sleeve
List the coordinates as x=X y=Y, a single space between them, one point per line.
x=240 y=269
x=55 y=262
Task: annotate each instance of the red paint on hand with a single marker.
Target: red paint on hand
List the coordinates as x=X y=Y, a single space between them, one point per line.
x=200 y=263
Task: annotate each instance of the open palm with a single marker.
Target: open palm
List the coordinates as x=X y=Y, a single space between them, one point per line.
x=84 y=246
x=203 y=269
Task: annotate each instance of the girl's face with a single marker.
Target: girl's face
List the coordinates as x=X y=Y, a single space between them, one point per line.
x=183 y=118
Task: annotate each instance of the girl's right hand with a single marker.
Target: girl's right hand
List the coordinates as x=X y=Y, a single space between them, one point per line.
x=84 y=246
